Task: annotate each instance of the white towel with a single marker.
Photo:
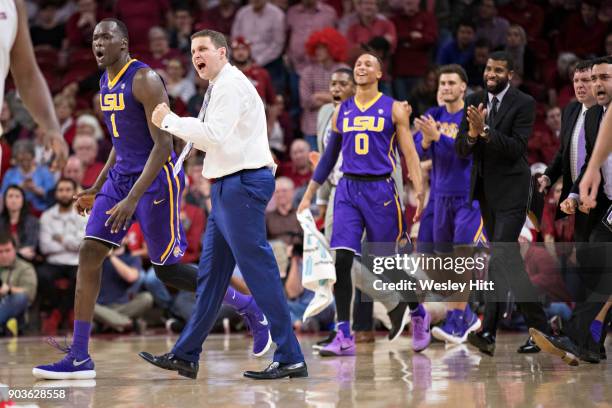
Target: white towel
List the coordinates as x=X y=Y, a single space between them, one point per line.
x=318 y=271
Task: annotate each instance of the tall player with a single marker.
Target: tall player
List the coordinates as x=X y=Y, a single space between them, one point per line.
x=17 y=54
x=138 y=183
x=367 y=128
x=457 y=223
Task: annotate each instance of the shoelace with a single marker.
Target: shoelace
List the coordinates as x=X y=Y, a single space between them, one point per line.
x=418 y=326
x=53 y=343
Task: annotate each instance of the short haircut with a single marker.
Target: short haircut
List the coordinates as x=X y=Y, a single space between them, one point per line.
x=583 y=65
x=453 y=69
x=120 y=24
x=466 y=22
x=6 y=237
x=346 y=71
x=503 y=56
x=24 y=146
x=218 y=39
x=372 y=53
x=66 y=180
x=601 y=60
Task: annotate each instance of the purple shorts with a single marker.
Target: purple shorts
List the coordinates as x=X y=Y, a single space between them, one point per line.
x=370 y=205
x=425 y=239
x=456 y=221
x=158 y=213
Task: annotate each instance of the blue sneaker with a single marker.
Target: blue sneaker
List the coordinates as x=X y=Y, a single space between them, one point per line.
x=260 y=329
x=450 y=331
x=68 y=368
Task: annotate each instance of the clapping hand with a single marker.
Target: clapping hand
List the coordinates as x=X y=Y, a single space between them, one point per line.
x=476 y=118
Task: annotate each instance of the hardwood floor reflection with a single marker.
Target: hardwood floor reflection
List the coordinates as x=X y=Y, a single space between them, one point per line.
x=381 y=375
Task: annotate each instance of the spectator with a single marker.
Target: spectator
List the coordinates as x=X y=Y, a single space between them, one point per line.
x=198 y=187
x=61 y=231
x=159 y=49
x=370 y=24
x=583 y=34
x=195 y=103
x=608 y=44
x=526 y=14
x=75 y=171
x=177 y=84
x=298 y=169
x=282 y=223
x=17 y=283
x=459 y=50
x=303 y=19
x=17 y=220
x=263 y=25
x=260 y=78
x=525 y=62
x=114 y=308
x=424 y=95
x=87 y=124
x=10 y=129
x=47 y=31
x=86 y=149
x=491 y=27
x=194 y=223
x=544 y=143
x=327 y=48
x=35 y=180
x=475 y=68
x=140 y=17
x=559 y=84
x=219 y=18
x=180 y=35
x=279 y=127
x=417 y=33
x=64 y=108
x=80 y=26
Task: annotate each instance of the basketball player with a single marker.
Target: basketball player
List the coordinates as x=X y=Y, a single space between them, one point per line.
x=138 y=183
x=364 y=127
x=456 y=221
x=17 y=54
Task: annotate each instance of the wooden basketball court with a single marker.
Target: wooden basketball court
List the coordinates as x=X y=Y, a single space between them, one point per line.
x=381 y=375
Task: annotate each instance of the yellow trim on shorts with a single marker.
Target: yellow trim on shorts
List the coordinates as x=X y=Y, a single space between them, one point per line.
x=178 y=197
x=171 y=243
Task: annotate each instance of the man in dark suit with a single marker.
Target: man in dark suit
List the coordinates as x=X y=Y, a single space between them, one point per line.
x=570 y=157
x=577 y=342
x=495 y=130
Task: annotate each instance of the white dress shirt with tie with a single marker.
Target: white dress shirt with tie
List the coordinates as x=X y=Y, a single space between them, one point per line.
x=233 y=133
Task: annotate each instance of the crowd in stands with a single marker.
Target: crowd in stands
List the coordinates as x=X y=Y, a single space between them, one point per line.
x=289 y=50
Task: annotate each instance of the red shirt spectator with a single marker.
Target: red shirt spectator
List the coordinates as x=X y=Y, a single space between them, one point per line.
x=528 y=15
x=218 y=18
x=194 y=221
x=583 y=34
x=417 y=32
x=298 y=169
x=303 y=19
x=160 y=52
x=80 y=26
x=260 y=78
x=544 y=143
x=86 y=149
x=367 y=28
x=140 y=16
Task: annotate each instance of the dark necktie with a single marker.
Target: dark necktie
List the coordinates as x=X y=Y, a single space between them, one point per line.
x=494 y=104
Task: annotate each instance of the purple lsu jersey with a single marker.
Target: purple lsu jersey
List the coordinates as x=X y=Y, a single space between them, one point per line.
x=158 y=210
x=368 y=136
x=126 y=120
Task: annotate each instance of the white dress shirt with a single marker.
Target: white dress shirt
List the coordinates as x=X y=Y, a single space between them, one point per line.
x=234 y=132
x=574 y=170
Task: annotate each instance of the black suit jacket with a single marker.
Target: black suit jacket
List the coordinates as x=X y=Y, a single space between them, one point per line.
x=592 y=121
x=500 y=173
x=561 y=165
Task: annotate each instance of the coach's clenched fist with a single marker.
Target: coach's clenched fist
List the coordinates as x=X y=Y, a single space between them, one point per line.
x=159 y=113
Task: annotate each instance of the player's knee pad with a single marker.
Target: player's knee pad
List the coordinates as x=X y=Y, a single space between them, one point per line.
x=344 y=262
x=179 y=276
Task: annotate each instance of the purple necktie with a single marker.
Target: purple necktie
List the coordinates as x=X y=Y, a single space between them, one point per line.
x=581 y=153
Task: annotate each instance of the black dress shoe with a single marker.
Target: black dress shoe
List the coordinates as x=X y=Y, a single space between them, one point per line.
x=169 y=361
x=278 y=370
x=399 y=319
x=483 y=341
x=560 y=346
x=590 y=356
x=602 y=353
x=529 y=347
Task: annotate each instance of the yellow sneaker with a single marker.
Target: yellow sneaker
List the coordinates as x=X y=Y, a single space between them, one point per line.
x=13 y=326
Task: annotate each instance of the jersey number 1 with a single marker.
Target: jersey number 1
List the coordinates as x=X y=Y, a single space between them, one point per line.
x=115 y=132
x=362 y=143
